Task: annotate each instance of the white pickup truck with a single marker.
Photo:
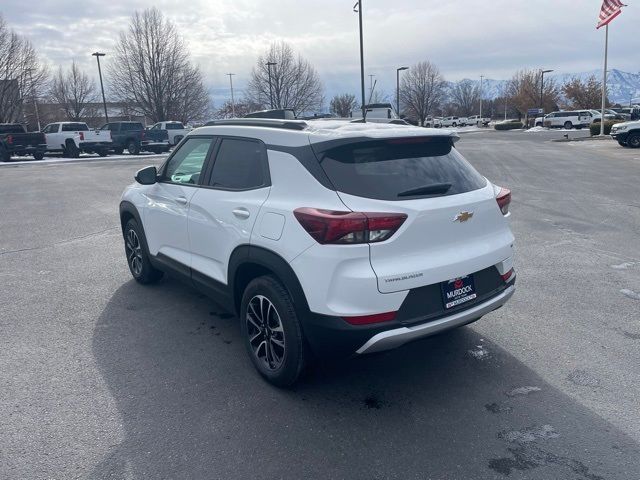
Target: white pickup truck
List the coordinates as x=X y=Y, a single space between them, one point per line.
x=478 y=120
x=74 y=138
x=176 y=131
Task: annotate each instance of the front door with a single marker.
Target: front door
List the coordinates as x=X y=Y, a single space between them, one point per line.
x=167 y=207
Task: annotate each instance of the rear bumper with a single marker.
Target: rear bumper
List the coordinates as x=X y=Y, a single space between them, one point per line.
x=95 y=145
x=399 y=336
x=27 y=149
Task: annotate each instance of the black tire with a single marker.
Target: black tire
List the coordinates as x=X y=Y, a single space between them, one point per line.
x=538 y=124
x=71 y=150
x=102 y=152
x=622 y=144
x=135 y=248
x=568 y=125
x=633 y=140
x=118 y=151
x=5 y=156
x=454 y=124
x=283 y=371
x=177 y=139
x=38 y=155
x=133 y=148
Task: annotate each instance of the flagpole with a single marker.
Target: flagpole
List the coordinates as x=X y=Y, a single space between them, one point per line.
x=604 y=78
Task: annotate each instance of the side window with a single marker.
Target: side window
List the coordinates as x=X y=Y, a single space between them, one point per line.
x=186 y=164
x=240 y=165
x=50 y=129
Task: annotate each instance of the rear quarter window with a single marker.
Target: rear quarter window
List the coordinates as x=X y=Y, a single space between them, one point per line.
x=388 y=169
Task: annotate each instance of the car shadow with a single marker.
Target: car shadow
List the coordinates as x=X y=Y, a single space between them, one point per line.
x=451 y=406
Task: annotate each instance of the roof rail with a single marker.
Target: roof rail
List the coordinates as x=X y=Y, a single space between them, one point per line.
x=259 y=122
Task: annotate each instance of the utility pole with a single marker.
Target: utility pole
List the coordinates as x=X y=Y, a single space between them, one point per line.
x=481 y=77
x=35 y=101
x=269 y=65
x=371 y=86
x=104 y=101
x=233 y=106
x=604 y=79
x=358 y=9
x=398 y=88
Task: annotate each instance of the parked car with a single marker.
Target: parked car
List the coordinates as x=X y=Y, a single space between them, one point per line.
x=282 y=114
x=74 y=138
x=451 y=122
x=289 y=225
x=376 y=110
x=609 y=114
x=134 y=137
x=433 y=122
x=176 y=131
x=15 y=141
x=567 y=119
x=627 y=134
x=478 y=120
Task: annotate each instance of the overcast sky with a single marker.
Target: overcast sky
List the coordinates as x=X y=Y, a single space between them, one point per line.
x=465 y=38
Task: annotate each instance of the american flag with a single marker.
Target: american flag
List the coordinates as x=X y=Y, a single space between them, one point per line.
x=610 y=9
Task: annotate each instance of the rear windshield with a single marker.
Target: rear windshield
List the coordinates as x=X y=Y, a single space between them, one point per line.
x=74 y=127
x=131 y=126
x=11 y=128
x=400 y=169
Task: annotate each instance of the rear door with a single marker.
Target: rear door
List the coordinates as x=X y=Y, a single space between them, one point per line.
x=165 y=215
x=454 y=226
x=222 y=213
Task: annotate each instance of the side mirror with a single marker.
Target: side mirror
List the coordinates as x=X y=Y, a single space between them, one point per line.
x=147 y=176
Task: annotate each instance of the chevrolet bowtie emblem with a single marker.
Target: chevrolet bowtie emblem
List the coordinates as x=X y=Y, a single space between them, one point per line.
x=463 y=217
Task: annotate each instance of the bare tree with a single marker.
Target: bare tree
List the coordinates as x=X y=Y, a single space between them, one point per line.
x=523 y=91
x=22 y=77
x=241 y=107
x=465 y=95
x=343 y=105
x=421 y=91
x=72 y=90
x=583 y=94
x=151 y=69
x=294 y=82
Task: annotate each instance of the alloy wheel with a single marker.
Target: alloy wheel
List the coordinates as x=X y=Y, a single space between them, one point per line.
x=265 y=332
x=134 y=252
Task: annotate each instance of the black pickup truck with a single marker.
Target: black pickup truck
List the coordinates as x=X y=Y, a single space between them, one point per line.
x=15 y=141
x=133 y=137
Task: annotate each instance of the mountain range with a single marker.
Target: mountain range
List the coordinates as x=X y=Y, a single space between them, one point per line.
x=623 y=86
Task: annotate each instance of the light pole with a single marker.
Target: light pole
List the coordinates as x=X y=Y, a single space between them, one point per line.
x=233 y=106
x=542 y=72
x=269 y=65
x=371 y=86
x=104 y=101
x=481 y=77
x=33 y=96
x=398 y=88
x=358 y=9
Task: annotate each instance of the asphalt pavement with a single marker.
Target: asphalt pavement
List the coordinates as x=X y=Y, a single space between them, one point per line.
x=103 y=378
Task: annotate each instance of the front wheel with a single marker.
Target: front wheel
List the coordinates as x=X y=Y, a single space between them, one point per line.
x=137 y=255
x=568 y=125
x=5 y=156
x=271 y=330
x=102 y=152
x=454 y=124
x=622 y=144
x=633 y=140
x=38 y=155
x=133 y=148
x=71 y=150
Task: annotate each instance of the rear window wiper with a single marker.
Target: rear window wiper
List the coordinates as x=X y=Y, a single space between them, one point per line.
x=432 y=189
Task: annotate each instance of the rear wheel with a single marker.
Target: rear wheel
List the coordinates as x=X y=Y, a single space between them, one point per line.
x=133 y=148
x=118 y=151
x=454 y=124
x=137 y=255
x=4 y=155
x=568 y=125
x=633 y=140
x=176 y=139
x=38 y=155
x=538 y=124
x=271 y=330
x=102 y=152
x=71 y=150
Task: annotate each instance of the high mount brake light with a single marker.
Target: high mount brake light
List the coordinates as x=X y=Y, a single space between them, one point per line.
x=348 y=228
x=504 y=200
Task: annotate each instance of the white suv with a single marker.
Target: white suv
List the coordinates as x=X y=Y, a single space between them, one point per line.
x=330 y=238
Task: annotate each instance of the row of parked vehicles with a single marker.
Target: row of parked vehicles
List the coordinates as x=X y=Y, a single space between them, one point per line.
x=74 y=138
x=578 y=119
x=440 y=122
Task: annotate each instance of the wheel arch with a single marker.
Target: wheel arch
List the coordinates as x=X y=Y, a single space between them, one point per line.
x=248 y=262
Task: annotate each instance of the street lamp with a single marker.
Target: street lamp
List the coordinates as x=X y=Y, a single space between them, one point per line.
x=358 y=9
x=33 y=97
x=480 y=120
x=542 y=72
x=104 y=101
x=398 y=88
x=269 y=65
x=233 y=106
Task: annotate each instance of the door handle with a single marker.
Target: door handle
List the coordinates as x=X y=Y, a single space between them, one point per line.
x=241 y=213
x=182 y=200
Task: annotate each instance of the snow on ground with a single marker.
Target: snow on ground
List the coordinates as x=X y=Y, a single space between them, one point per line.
x=545 y=129
x=83 y=158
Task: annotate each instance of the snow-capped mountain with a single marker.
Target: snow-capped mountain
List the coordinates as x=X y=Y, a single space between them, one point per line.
x=623 y=86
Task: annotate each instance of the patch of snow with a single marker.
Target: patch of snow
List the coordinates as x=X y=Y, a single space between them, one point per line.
x=624 y=266
x=531 y=434
x=521 y=391
x=630 y=293
x=480 y=353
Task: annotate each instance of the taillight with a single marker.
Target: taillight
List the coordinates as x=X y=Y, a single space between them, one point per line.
x=142 y=135
x=328 y=226
x=369 y=319
x=504 y=199
x=81 y=136
x=507 y=275
x=9 y=139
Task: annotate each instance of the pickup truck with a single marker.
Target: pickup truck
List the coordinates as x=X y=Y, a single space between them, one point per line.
x=176 y=131
x=15 y=141
x=74 y=138
x=478 y=120
x=134 y=137
x=627 y=134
